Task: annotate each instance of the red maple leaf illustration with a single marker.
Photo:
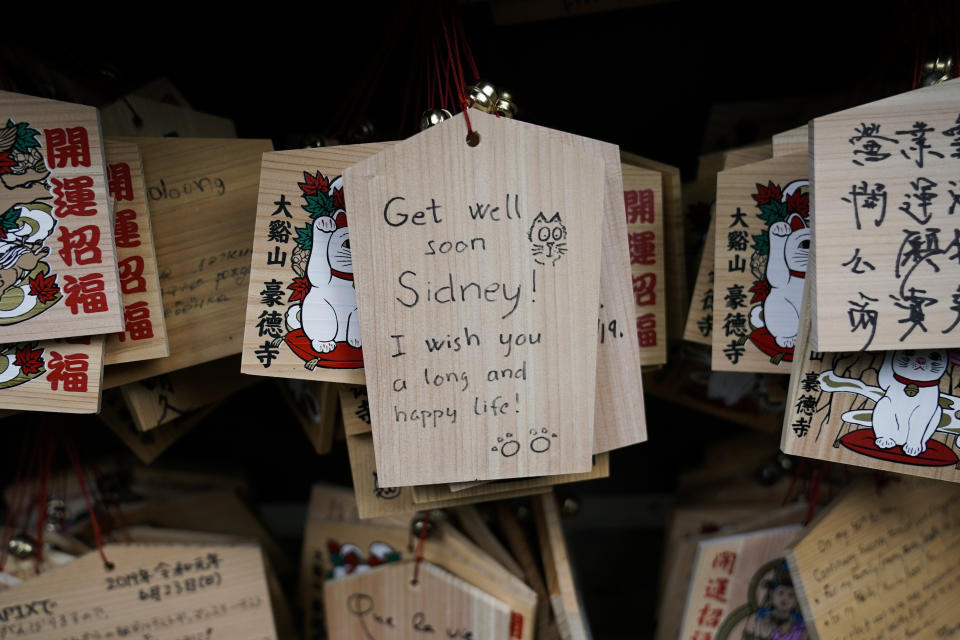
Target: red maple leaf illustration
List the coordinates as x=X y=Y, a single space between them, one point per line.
x=313 y=184
x=29 y=360
x=300 y=287
x=45 y=289
x=768 y=193
x=6 y=163
x=798 y=203
x=760 y=290
x=338 y=199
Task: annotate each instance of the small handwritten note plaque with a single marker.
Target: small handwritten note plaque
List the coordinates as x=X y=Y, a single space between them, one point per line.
x=882 y=563
x=886 y=191
x=478 y=272
x=154 y=591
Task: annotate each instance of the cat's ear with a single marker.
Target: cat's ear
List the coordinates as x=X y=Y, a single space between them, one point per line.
x=540 y=218
x=340 y=219
x=796 y=222
x=555 y=218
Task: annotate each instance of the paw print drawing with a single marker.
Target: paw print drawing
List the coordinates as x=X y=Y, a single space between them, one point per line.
x=540 y=442
x=509 y=446
x=506 y=445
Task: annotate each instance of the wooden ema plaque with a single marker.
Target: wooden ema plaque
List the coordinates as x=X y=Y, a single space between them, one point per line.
x=466 y=345
x=564 y=596
x=892 y=411
x=762 y=244
x=61 y=376
x=882 y=563
x=58 y=270
x=308 y=326
x=314 y=405
x=741 y=588
x=202 y=196
x=145 y=332
x=885 y=243
x=643 y=200
x=699 y=326
x=154 y=591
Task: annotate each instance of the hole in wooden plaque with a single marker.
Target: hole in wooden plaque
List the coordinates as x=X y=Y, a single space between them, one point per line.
x=473 y=138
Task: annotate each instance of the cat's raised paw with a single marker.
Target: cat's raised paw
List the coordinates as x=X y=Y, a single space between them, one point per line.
x=323 y=346
x=787 y=342
x=885 y=443
x=507 y=446
x=354 y=342
x=326 y=224
x=912 y=449
x=780 y=229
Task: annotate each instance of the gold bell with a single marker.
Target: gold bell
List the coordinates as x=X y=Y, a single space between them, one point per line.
x=433 y=117
x=483 y=96
x=938 y=70
x=21 y=546
x=505 y=106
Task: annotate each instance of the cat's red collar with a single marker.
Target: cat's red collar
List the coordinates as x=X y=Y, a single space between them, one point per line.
x=798 y=274
x=341 y=274
x=928 y=383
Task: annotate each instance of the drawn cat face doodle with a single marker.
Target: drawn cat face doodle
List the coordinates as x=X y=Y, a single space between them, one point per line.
x=797 y=249
x=548 y=238
x=922 y=365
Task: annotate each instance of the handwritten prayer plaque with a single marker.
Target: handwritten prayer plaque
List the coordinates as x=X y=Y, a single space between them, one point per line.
x=741 y=588
x=301 y=307
x=886 y=244
x=643 y=200
x=882 y=563
x=478 y=281
x=58 y=270
x=61 y=376
x=145 y=334
x=203 y=202
x=154 y=591
x=762 y=244
x=699 y=327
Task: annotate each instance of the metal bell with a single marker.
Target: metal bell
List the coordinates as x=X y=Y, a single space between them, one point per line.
x=938 y=70
x=483 y=96
x=505 y=106
x=433 y=117
x=21 y=546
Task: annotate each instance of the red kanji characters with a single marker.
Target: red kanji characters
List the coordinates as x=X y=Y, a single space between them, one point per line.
x=717 y=589
x=67 y=146
x=710 y=616
x=88 y=292
x=125 y=230
x=131 y=275
x=639 y=206
x=642 y=248
x=73 y=197
x=136 y=318
x=725 y=561
x=121 y=187
x=647 y=330
x=70 y=369
x=643 y=289
x=80 y=246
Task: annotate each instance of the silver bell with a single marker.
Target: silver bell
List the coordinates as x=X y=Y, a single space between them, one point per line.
x=433 y=117
x=21 y=546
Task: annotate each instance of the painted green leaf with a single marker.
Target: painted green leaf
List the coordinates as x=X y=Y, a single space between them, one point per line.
x=318 y=204
x=305 y=236
x=26 y=137
x=761 y=244
x=774 y=211
x=9 y=219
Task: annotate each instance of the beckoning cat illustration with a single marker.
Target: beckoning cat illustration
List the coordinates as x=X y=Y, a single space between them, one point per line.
x=786 y=270
x=909 y=411
x=328 y=314
x=549 y=238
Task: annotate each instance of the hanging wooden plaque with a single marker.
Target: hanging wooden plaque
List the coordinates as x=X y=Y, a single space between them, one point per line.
x=314 y=404
x=145 y=332
x=61 y=376
x=58 y=269
x=441 y=415
x=154 y=591
x=643 y=200
x=762 y=244
x=699 y=326
x=202 y=196
x=564 y=595
x=885 y=244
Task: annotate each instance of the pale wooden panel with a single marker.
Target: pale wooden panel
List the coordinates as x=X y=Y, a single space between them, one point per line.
x=564 y=596
x=433 y=492
x=673 y=242
x=731 y=586
x=59 y=270
x=289 y=183
x=355 y=408
x=792 y=141
x=61 y=376
x=475 y=527
x=699 y=327
x=145 y=334
x=762 y=241
x=159 y=119
x=831 y=406
x=882 y=563
x=202 y=195
x=643 y=199
x=314 y=404
x=884 y=240
x=393 y=264
x=147 y=445
x=222 y=592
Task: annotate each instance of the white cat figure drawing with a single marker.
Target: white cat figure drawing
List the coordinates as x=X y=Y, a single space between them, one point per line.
x=779 y=263
x=324 y=328
x=909 y=412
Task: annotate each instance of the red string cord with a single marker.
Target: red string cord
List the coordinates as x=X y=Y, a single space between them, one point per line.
x=47 y=449
x=94 y=523
x=458 y=77
x=458 y=23
x=13 y=507
x=418 y=556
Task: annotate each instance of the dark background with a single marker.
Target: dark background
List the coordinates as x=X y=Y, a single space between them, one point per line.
x=668 y=81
